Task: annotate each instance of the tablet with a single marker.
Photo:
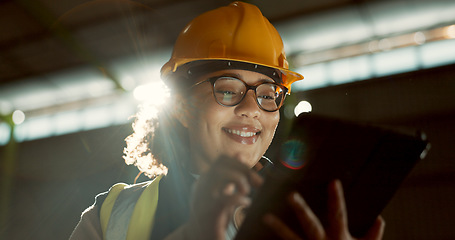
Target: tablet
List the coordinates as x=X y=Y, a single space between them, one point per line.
x=370 y=161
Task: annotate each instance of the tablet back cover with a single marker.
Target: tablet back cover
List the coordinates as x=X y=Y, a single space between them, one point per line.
x=370 y=161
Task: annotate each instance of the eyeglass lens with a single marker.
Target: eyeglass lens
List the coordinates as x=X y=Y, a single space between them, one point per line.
x=230 y=91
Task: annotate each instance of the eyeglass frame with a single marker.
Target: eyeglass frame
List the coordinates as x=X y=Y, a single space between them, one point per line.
x=248 y=87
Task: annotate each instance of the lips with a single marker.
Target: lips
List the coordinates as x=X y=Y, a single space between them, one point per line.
x=243 y=135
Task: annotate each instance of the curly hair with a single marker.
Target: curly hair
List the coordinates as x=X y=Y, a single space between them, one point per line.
x=157 y=141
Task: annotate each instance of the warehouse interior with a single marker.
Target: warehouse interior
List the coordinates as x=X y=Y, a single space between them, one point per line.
x=72 y=74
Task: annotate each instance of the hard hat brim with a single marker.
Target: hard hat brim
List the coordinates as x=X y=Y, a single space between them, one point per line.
x=288 y=76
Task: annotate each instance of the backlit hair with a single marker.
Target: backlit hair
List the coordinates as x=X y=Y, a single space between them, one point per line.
x=158 y=140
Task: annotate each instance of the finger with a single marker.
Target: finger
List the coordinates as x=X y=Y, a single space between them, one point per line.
x=252 y=176
x=221 y=210
x=234 y=181
x=309 y=222
x=377 y=230
x=231 y=203
x=229 y=189
x=224 y=212
x=222 y=179
x=230 y=170
x=255 y=179
x=237 y=200
x=279 y=228
x=338 y=220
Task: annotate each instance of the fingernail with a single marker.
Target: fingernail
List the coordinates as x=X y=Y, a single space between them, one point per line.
x=296 y=197
x=338 y=185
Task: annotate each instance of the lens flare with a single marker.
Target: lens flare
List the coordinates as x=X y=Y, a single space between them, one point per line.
x=291 y=154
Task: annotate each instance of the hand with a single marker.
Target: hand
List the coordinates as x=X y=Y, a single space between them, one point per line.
x=217 y=193
x=337 y=223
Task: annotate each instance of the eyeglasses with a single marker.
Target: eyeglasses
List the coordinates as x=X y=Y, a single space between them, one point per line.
x=230 y=91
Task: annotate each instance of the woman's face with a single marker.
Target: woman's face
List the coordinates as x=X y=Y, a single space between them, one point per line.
x=243 y=131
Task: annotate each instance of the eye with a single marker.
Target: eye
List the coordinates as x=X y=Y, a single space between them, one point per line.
x=268 y=97
x=228 y=89
x=226 y=92
x=268 y=92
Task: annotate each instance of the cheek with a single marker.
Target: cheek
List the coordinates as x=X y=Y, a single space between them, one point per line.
x=271 y=125
x=199 y=104
x=272 y=121
x=207 y=115
x=208 y=110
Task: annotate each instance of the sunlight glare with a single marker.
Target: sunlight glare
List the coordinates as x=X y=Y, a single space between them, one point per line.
x=155 y=92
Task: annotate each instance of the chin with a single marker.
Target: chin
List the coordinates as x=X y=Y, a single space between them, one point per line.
x=247 y=158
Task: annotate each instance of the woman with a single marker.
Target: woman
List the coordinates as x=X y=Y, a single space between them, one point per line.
x=210 y=140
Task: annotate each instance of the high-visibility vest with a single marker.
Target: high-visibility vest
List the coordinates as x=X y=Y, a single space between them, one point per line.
x=128 y=212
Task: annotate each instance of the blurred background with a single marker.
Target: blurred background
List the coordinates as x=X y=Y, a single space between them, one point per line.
x=72 y=73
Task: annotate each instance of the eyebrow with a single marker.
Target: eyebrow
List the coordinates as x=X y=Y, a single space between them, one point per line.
x=234 y=75
x=238 y=76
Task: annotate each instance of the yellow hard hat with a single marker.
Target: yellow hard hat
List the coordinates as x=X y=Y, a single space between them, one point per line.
x=237 y=32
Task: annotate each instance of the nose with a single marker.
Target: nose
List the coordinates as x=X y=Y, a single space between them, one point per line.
x=248 y=107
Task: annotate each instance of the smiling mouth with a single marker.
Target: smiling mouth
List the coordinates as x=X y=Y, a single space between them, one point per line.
x=241 y=133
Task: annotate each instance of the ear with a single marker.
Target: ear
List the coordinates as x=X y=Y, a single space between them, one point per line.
x=181 y=111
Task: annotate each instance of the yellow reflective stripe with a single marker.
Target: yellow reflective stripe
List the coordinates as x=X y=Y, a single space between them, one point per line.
x=108 y=204
x=141 y=222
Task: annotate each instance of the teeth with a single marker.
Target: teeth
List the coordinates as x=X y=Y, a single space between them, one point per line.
x=241 y=133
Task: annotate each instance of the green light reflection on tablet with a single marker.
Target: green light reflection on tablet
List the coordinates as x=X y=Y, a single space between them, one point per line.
x=291 y=154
